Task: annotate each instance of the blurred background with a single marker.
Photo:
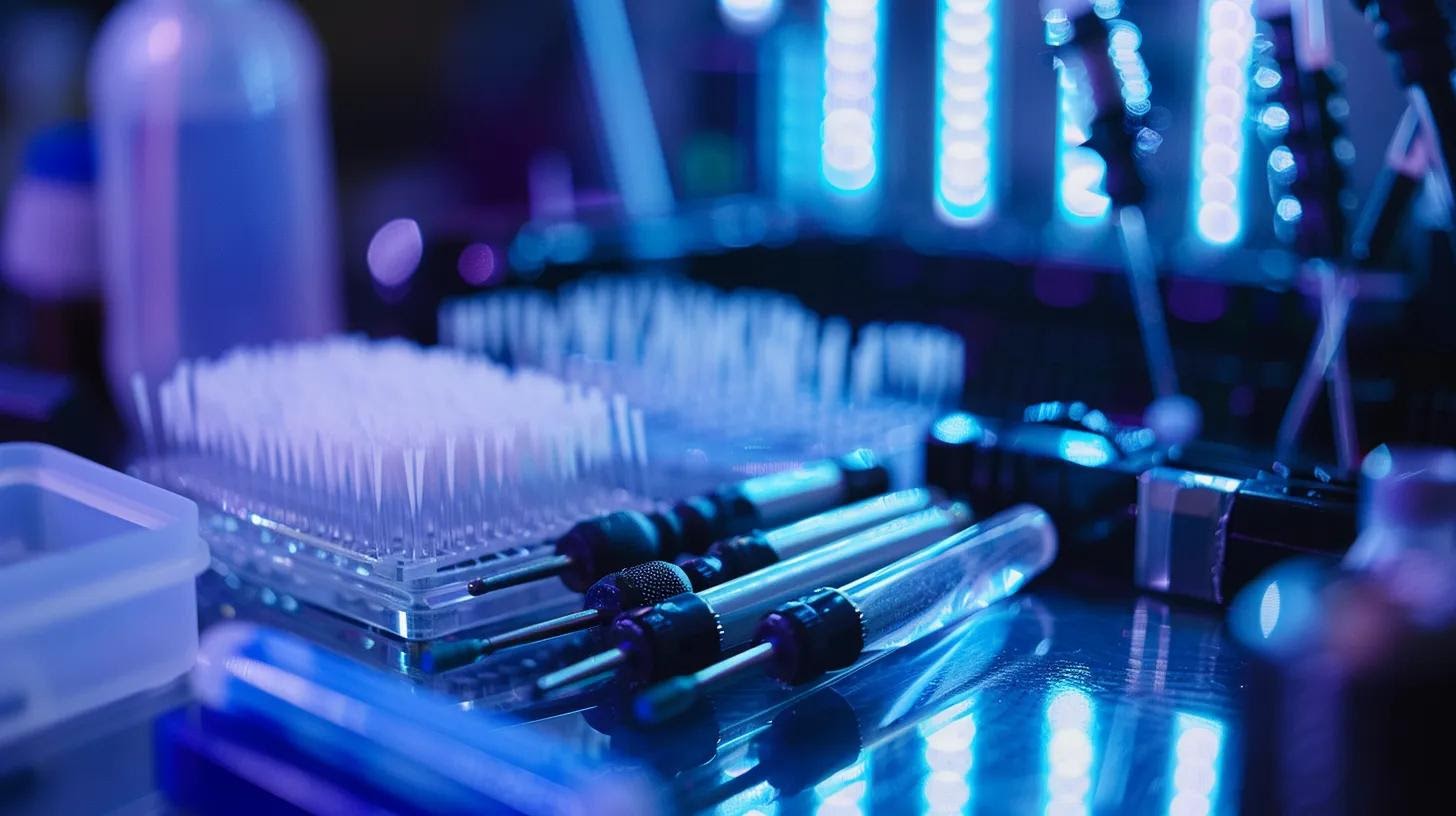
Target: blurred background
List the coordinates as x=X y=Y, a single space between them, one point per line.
x=528 y=141
x=1171 y=269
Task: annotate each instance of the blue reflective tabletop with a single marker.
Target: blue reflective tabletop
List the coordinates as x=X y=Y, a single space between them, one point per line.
x=1056 y=703
x=1060 y=701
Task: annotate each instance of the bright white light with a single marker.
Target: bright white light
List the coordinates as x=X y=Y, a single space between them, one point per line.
x=1218 y=150
x=1081 y=173
x=1269 y=608
x=749 y=16
x=849 y=146
x=965 y=141
x=1070 y=753
x=1197 y=746
x=1289 y=209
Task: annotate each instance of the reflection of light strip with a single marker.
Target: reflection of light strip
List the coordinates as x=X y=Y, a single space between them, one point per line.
x=1197 y=743
x=844 y=793
x=949 y=758
x=1218 y=143
x=637 y=162
x=1069 y=753
x=965 y=103
x=849 y=143
x=749 y=15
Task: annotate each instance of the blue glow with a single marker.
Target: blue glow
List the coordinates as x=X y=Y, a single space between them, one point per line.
x=1197 y=749
x=1281 y=164
x=1070 y=753
x=1218 y=141
x=957 y=429
x=965 y=105
x=796 y=73
x=1083 y=448
x=749 y=16
x=1267 y=78
x=949 y=758
x=1081 y=174
x=1124 y=41
x=849 y=139
x=631 y=135
x=1274 y=119
x=1289 y=209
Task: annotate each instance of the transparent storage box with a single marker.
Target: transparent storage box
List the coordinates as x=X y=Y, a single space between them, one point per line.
x=97 y=577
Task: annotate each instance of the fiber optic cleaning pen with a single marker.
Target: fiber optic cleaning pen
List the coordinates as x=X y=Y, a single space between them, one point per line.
x=830 y=629
x=598 y=547
x=654 y=581
x=691 y=631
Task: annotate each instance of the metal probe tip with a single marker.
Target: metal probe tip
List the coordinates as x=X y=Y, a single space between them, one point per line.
x=443 y=657
x=545 y=568
x=583 y=670
x=672 y=697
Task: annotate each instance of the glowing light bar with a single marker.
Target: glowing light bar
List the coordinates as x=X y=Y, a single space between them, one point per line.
x=749 y=16
x=849 y=147
x=965 y=104
x=1218 y=144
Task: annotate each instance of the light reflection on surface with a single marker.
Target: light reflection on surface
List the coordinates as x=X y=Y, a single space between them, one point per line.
x=844 y=793
x=949 y=759
x=1069 y=752
x=1197 y=749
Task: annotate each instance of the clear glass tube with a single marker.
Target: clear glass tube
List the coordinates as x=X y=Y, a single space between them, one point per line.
x=740 y=603
x=802 y=536
x=948 y=581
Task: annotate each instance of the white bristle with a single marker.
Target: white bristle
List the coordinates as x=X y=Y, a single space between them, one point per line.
x=358 y=440
x=745 y=361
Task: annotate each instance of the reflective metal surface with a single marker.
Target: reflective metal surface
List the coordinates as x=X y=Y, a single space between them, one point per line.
x=1053 y=703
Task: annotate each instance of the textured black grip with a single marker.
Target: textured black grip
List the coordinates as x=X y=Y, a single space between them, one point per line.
x=639 y=586
x=603 y=545
x=678 y=636
x=814 y=635
x=864 y=476
x=742 y=555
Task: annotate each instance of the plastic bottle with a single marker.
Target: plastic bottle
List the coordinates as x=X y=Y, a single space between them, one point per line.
x=216 y=186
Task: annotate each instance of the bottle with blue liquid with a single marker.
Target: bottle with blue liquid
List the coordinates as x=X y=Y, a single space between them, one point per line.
x=216 y=187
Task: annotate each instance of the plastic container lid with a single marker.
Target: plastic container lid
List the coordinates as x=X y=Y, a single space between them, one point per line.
x=97 y=571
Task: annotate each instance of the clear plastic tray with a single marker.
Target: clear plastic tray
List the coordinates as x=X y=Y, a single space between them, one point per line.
x=417 y=598
x=97 y=570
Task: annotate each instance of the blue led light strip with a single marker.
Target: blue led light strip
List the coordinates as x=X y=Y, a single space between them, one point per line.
x=1218 y=138
x=849 y=147
x=965 y=105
